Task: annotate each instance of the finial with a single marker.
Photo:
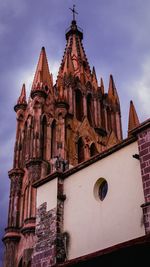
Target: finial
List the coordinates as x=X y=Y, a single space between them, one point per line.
x=73 y=11
x=133 y=118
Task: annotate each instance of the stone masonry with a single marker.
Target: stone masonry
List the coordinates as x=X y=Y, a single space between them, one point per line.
x=144 y=155
x=45 y=249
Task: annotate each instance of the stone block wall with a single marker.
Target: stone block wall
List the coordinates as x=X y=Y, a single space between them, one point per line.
x=144 y=155
x=44 y=254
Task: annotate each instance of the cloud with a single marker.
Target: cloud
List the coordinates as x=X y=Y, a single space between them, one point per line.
x=15 y=8
x=140 y=89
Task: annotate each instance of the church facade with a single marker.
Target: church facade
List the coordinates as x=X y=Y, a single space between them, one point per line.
x=76 y=186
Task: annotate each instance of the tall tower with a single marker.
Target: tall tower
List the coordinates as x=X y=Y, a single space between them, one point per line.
x=67 y=122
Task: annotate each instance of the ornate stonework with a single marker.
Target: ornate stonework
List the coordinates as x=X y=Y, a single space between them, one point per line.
x=61 y=125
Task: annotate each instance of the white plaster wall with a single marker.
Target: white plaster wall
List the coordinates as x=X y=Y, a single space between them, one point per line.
x=94 y=225
x=47 y=193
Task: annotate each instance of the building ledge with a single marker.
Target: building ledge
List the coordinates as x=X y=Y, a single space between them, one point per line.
x=86 y=163
x=144 y=125
x=121 y=250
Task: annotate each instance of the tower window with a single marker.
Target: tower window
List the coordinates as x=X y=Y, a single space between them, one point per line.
x=79 y=105
x=46 y=88
x=44 y=137
x=53 y=139
x=109 y=119
x=93 y=150
x=89 y=109
x=80 y=148
x=102 y=115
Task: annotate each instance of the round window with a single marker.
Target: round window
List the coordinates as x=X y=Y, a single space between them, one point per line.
x=100 y=189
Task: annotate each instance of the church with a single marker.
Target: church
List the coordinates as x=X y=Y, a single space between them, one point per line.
x=79 y=192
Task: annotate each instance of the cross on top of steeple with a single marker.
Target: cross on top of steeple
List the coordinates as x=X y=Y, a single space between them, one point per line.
x=73 y=11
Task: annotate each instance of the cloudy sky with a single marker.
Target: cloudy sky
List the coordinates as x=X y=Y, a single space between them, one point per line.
x=116 y=40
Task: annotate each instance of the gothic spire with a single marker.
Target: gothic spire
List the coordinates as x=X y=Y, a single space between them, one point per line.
x=21 y=102
x=22 y=97
x=112 y=91
x=42 y=76
x=133 y=118
x=94 y=78
x=75 y=55
x=102 y=86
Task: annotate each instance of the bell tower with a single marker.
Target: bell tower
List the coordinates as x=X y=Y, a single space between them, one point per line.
x=61 y=125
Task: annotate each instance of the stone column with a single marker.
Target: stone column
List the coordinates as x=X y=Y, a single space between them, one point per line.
x=12 y=232
x=11 y=245
x=15 y=176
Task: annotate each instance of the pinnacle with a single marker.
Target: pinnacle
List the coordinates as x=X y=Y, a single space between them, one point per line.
x=112 y=91
x=133 y=118
x=22 y=97
x=102 y=85
x=42 y=75
x=94 y=78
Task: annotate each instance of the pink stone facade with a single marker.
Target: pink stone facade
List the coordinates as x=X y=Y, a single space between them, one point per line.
x=62 y=124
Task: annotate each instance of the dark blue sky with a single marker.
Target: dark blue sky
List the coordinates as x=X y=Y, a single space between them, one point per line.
x=116 y=40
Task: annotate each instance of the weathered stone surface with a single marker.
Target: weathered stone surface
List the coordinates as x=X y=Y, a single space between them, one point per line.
x=46 y=232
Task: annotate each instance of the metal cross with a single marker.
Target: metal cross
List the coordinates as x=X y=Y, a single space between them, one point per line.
x=73 y=11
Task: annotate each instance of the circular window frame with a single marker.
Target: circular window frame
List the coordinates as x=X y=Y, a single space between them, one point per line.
x=99 y=187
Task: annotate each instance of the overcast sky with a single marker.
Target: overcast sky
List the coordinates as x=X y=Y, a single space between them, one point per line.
x=116 y=40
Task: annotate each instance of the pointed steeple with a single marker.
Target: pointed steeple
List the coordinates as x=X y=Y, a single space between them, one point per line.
x=21 y=102
x=42 y=79
x=112 y=91
x=94 y=78
x=102 y=86
x=22 y=97
x=74 y=55
x=133 y=118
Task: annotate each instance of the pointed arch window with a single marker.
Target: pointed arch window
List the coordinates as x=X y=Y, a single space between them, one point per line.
x=80 y=150
x=25 y=142
x=103 y=125
x=79 y=105
x=89 y=109
x=28 y=141
x=44 y=137
x=109 y=119
x=53 y=139
x=20 y=263
x=93 y=150
x=25 y=204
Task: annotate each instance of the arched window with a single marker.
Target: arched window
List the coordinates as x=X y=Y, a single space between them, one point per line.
x=20 y=263
x=89 y=109
x=80 y=148
x=93 y=150
x=79 y=105
x=24 y=143
x=109 y=119
x=102 y=115
x=44 y=137
x=25 y=204
x=53 y=139
x=28 y=141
